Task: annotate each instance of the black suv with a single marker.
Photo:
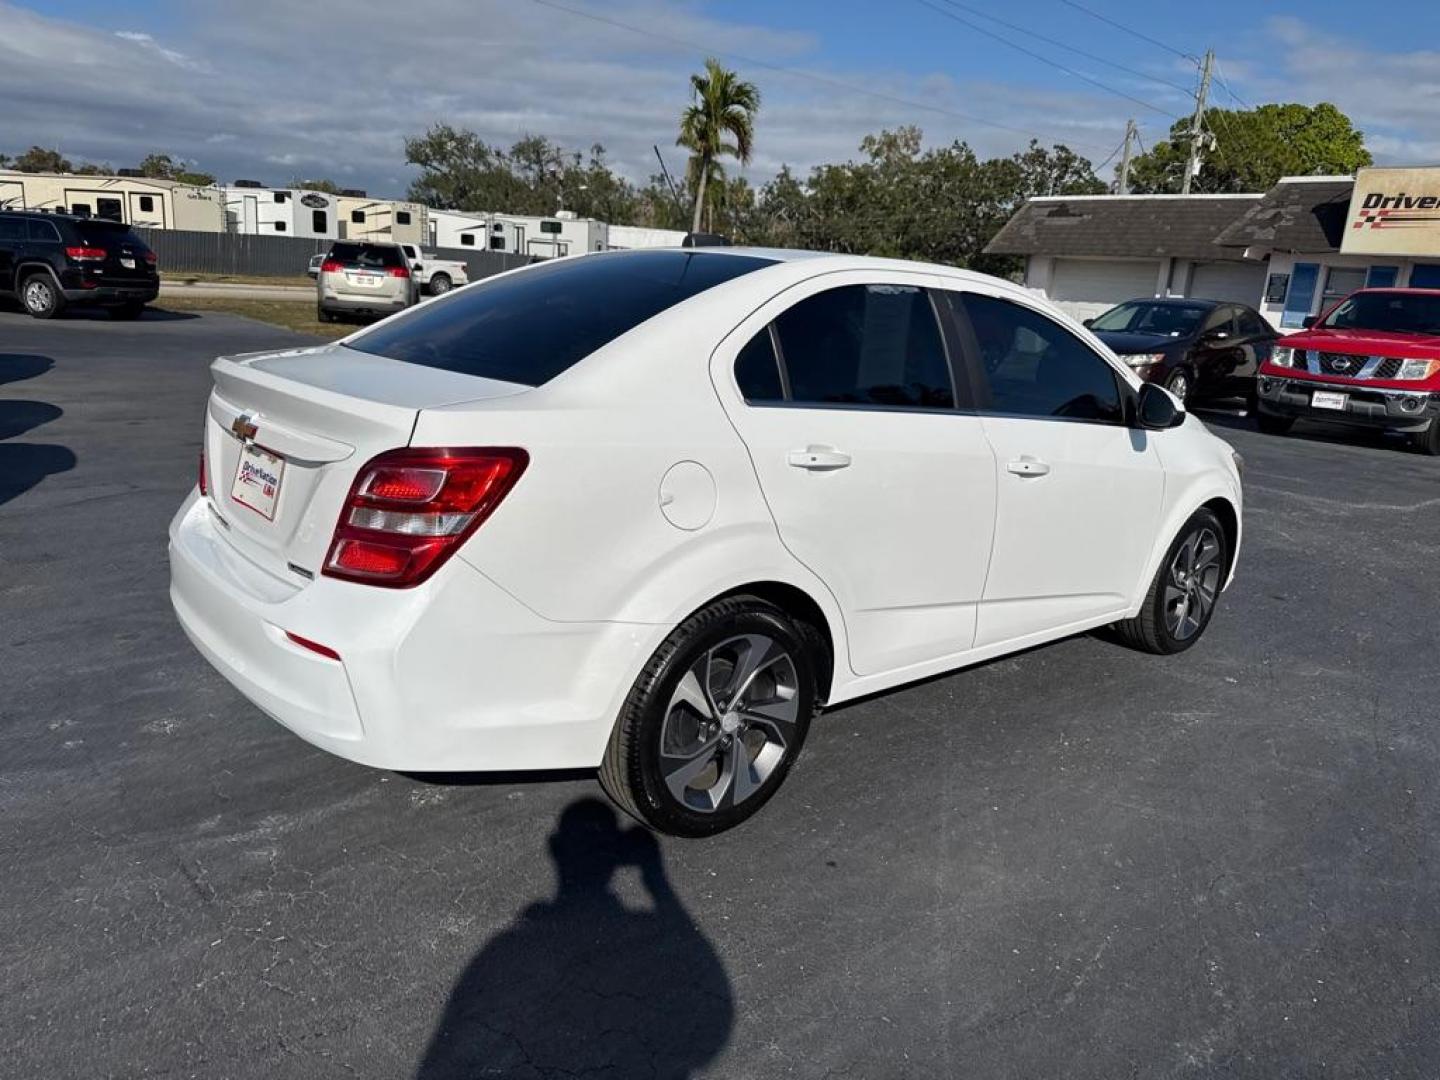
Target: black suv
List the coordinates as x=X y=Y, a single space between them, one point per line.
x=50 y=260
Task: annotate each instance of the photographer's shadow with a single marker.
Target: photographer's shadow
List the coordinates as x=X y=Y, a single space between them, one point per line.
x=584 y=986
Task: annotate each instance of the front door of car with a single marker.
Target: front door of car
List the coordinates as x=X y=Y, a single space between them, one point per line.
x=843 y=394
x=1079 y=493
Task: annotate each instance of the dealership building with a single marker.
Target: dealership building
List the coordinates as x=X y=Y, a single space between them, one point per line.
x=1289 y=252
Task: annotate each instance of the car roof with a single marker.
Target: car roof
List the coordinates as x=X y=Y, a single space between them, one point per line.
x=836 y=260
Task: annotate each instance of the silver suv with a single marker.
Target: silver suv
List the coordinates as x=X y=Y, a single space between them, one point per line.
x=363 y=279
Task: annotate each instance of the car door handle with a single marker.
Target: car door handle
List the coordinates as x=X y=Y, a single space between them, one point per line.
x=818 y=458
x=1028 y=466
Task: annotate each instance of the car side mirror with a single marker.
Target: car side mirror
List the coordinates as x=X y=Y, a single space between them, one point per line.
x=417 y=266
x=1309 y=321
x=1157 y=409
x=1087 y=323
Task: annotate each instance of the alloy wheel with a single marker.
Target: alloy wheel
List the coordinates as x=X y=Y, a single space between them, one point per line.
x=1192 y=584
x=1179 y=385
x=729 y=723
x=38 y=294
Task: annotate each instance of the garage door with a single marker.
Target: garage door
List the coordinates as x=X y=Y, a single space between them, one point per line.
x=1086 y=287
x=1242 y=282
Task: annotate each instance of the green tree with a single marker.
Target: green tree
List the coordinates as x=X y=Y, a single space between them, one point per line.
x=719 y=122
x=164 y=167
x=329 y=187
x=39 y=160
x=1254 y=148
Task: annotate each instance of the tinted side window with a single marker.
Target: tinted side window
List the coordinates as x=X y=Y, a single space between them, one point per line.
x=757 y=370
x=1252 y=325
x=1035 y=367
x=42 y=232
x=12 y=229
x=1219 y=319
x=866 y=345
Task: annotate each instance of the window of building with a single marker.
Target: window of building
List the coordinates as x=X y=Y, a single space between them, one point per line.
x=81 y=209
x=1340 y=282
x=757 y=370
x=279 y=226
x=467 y=239
x=865 y=345
x=147 y=204
x=402 y=217
x=319 y=221
x=1035 y=367
x=109 y=208
x=357 y=216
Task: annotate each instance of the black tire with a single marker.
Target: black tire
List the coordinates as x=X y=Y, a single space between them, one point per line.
x=1154 y=629
x=321 y=315
x=1271 y=424
x=1181 y=383
x=41 y=297
x=657 y=714
x=1428 y=441
x=127 y=312
x=440 y=284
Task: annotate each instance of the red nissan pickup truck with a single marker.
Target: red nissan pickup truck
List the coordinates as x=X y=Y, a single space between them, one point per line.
x=1373 y=360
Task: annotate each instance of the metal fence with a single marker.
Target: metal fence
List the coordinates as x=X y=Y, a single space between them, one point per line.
x=180 y=251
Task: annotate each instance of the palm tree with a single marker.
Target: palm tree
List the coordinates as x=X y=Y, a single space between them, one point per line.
x=723 y=107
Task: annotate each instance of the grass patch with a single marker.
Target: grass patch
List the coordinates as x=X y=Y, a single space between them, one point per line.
x=186 y=278
x=284 y=313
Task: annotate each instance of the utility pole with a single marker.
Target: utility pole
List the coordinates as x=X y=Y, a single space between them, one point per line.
x=1197 y=124
x=1122 y=187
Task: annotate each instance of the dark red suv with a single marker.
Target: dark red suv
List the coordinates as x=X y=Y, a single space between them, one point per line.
x=1373 y=360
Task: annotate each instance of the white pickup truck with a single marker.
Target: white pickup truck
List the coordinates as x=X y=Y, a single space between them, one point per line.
x=432 y=274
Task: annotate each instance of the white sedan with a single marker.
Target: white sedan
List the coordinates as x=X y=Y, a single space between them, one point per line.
x=648 y=511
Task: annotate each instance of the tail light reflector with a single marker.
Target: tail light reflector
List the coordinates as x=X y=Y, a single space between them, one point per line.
x=85 y=252
x=398 y=271
x=331 y=266
x=150 y=257
x=409 y=510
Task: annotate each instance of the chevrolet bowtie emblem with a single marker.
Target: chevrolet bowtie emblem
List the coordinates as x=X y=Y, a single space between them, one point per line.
x=243 y=428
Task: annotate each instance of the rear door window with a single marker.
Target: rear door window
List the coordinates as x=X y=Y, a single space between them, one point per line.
x=12 y=229
x=866 y=345
x=42 y=232
x=1032 y=366
x=529 y=327
x=370 y=256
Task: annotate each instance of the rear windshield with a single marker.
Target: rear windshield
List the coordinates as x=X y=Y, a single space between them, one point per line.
x=529 y=327
x=376 y=255
x=110 y=237
x=1404 y=313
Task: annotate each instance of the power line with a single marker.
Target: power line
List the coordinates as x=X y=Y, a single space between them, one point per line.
x=1046 y=60
x=1066 y=45
x=834 y=84
x=1130 y=30
x=1234 y=96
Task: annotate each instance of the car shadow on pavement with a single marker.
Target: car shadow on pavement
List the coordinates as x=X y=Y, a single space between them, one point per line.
x=23 y=465
x=583 y=984
x=1307 y=431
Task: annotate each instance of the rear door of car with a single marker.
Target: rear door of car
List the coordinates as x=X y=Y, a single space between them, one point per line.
x=127 y=259
x=879 y=479
x=12 y=240
x=1079 y=492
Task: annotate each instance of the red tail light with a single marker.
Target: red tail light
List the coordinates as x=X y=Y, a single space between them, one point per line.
x=150 y=257
x=398 y=271
x=85 y=252
x=409 y=510
x=204 y=487
x=331 y=266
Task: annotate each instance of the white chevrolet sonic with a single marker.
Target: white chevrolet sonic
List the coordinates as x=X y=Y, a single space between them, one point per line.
x=647 y=511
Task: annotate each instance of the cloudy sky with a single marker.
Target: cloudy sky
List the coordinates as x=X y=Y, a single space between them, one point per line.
x=272 y=89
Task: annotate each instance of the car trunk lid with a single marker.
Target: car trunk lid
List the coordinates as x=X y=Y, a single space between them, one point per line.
x=286 y=433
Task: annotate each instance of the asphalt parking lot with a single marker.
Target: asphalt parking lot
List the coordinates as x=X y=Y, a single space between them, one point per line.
x=1078 y=861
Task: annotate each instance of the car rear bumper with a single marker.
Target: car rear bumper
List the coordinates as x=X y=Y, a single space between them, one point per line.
x=454 y=675
x=114 y=294
x=1395 y=410
x=363 y=303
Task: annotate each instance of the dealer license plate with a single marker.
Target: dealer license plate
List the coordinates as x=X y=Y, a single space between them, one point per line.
x=128 y=264
x=257 y=480
x=366 y=279
x=1324 y=399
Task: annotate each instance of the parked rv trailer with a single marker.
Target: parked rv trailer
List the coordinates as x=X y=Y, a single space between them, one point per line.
x=386 y=220
x=138 y=201
x=458 y=229
x=628 y=237
x=262 y=211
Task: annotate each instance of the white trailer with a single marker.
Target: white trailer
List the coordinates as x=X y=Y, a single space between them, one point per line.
x=630 y=237
x=262 y=211
x=140 y=201
x=458 y=229
x=382 y=220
